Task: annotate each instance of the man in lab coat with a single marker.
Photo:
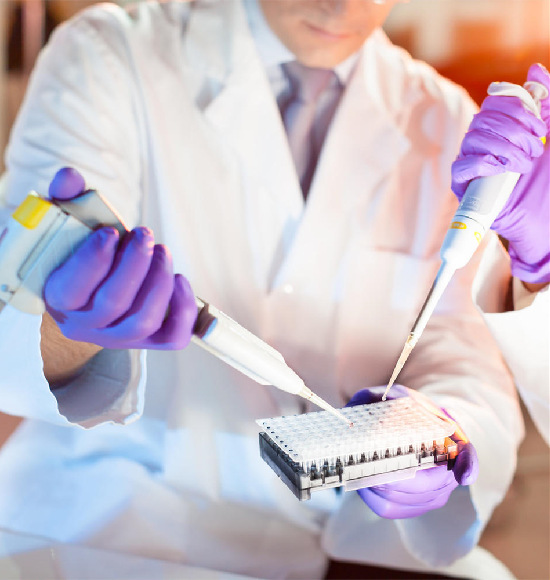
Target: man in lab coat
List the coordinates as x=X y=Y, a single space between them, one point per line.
x=170 y=110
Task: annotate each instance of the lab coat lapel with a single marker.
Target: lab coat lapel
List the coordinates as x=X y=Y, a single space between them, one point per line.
x=238 y=100
x=246 y=114
x=363 y=145
x=233 y=90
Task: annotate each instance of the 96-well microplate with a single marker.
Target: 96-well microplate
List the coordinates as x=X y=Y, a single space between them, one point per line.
x=390 y=440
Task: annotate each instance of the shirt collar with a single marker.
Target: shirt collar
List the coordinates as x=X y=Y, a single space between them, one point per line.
x=274 y=53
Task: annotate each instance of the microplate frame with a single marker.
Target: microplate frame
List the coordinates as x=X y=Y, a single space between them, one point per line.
x=389 y=441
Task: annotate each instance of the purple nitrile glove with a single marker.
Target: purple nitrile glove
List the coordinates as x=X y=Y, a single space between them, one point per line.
x=504 y=136
x=118 y=295
x=430 y=488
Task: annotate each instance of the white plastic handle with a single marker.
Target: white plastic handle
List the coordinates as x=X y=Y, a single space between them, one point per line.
x=530 y=94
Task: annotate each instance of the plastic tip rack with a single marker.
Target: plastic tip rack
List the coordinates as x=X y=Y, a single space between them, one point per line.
x=391 y=440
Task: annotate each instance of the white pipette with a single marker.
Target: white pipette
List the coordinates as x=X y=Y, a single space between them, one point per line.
x=482 y=202
x=41 y=234
x=221 y=336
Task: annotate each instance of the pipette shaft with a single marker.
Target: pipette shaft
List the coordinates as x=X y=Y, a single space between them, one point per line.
x=441 y=281
x=226 y=339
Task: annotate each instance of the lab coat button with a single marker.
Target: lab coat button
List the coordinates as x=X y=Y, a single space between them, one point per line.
x=288 y=289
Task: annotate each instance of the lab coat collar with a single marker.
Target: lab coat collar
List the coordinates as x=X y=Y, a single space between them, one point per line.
x=365 y=136
x=364 y=133
x=213 y=47
x=271 y=50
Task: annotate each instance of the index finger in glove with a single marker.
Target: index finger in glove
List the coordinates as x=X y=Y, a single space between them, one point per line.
x=148 y=310
x=70 y=286
x=467 y=168
x=466 y=465
x=503 y=131
x=408 y=497
x=117 y=292
x=374 y=395
x=431 y=479
x=480 y=144
x=392 y=510
x=513 y=108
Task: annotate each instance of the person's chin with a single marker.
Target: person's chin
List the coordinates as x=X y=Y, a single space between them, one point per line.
x=321 y=58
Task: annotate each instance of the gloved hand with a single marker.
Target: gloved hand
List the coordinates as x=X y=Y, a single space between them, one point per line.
x=118 y=294
x=430 y=488
x=503 y=136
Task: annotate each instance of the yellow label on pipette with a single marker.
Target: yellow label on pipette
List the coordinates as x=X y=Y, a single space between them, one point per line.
x=458 y=226
x=30 y=213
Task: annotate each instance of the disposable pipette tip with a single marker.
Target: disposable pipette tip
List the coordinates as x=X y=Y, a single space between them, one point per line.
x=409 y=345
x=316 y=400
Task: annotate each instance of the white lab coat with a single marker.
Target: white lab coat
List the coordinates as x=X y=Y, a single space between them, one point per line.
x=168 y=112
x=523 y=334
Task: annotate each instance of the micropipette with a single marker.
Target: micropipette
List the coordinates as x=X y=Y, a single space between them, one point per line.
x=482 y=202
x=229 y=341
x=42 y=233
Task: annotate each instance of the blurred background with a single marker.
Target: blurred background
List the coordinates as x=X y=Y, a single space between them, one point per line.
x=472 y=42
